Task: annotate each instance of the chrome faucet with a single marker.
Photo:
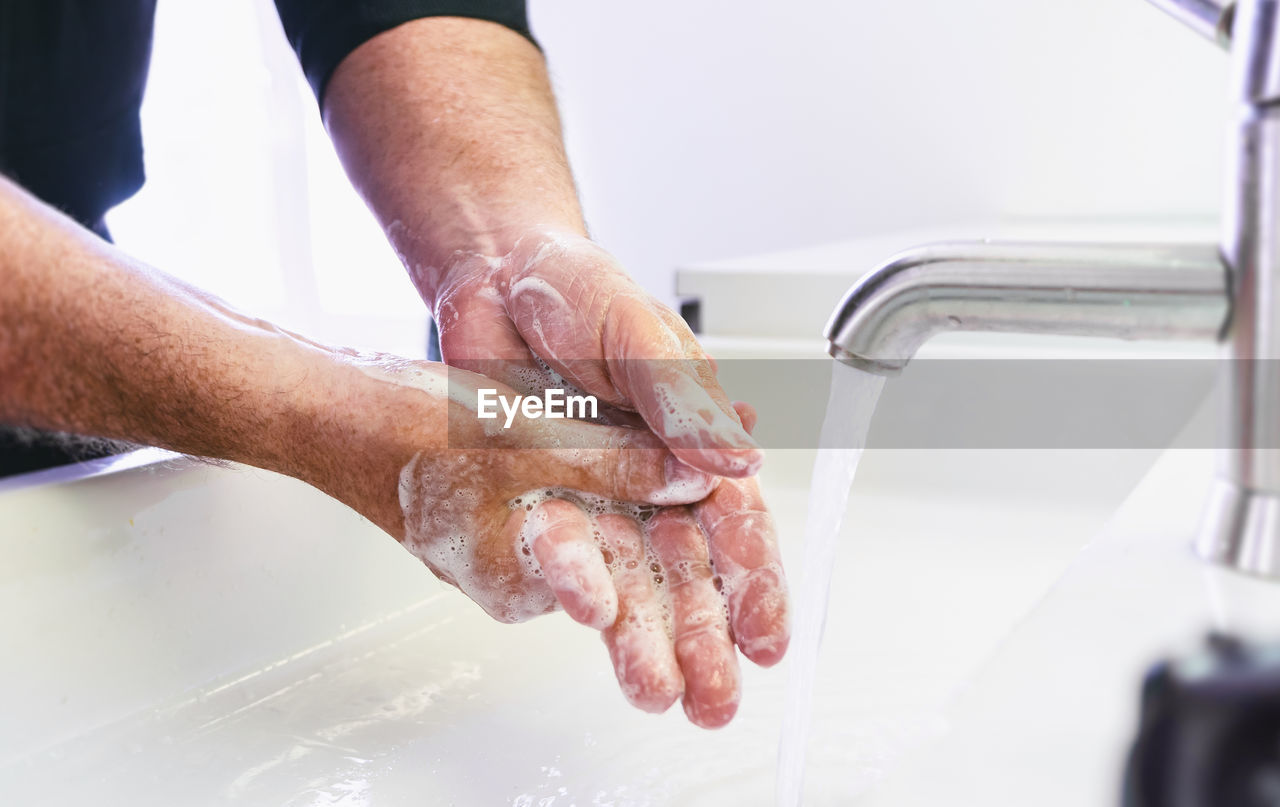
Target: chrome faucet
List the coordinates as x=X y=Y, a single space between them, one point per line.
x=1229 y=292
x=1211 y=19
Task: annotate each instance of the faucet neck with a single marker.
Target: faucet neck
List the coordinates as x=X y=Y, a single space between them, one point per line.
x=1255 y=52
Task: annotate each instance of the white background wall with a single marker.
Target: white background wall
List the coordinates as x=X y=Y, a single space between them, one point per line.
x=701 y=129
x=712 y=128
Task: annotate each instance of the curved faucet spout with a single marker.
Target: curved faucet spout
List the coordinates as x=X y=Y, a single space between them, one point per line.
x=1129 y=291
x=1212 y=19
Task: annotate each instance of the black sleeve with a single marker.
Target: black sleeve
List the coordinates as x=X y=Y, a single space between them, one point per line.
x=323 y=32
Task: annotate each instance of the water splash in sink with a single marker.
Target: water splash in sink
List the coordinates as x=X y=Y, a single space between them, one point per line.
x=844 y=433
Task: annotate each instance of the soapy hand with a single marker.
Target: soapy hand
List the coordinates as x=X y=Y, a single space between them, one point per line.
x=559 y=305
x=559 y=299
x=588 y=517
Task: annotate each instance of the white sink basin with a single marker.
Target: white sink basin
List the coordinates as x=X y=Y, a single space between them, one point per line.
x=178 y=632
x=181 y=633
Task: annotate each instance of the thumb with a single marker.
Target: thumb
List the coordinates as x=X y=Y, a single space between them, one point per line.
x=649 y=358
x=627 y=465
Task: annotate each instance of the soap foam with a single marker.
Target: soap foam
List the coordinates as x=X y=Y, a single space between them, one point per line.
x=428 y=377
x=440 y=507
x=594 y=507
x=704 y=427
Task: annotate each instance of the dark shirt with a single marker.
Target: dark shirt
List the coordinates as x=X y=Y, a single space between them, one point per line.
x=72 y=76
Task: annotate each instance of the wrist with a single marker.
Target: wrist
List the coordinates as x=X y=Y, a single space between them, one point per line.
x=441 y=262
x=359 y=421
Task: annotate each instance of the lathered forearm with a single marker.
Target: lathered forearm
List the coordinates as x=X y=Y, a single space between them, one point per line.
x=449 y=130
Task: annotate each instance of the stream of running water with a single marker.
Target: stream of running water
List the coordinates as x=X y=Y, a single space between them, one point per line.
x=844 y=434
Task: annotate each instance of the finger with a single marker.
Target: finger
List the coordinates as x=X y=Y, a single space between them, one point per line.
x=747 y=414
x=675 y=401
x=677 y=396
x=639 y=642
x=704 y=649
x=576 y=309
x=744 y=553
x=560 y=537
x=618 y=464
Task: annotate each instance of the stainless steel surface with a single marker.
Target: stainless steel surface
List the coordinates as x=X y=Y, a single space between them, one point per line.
x=1132 y=291
x=1255 y=63
x=1209 y=18
x=1252 y=421
x=1241 y=527
x=1137 y=292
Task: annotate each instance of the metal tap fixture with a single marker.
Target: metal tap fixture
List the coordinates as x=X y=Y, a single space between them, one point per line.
x=1229 y=292
x=1211 y=19
x=1135 y=291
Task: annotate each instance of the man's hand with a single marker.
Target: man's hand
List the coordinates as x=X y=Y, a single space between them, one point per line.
x=558 y=298
x=523 y=528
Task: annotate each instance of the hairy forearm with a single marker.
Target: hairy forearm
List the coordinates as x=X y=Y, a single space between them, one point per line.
x=449 y=130
x=93 y=343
